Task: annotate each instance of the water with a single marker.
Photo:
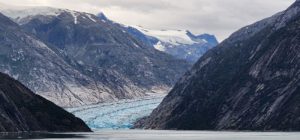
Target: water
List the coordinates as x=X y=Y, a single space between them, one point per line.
x=157 y=135
x=105 y=118
x=117 y=115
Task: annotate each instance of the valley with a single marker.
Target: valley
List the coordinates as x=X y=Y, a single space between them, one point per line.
x=67 y=72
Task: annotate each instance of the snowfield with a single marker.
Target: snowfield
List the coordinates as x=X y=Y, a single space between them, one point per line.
x=173 y=37
x=117 y=115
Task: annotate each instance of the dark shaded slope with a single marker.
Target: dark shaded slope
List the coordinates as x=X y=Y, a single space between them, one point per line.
x=249 y=82
x=22 y=110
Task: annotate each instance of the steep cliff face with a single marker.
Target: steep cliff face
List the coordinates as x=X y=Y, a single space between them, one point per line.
x=249 y=82
x=22 y=110
x=85 y=59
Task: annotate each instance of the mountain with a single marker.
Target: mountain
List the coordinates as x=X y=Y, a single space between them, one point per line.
x=74 y=58
x=181 y=44
x=248 y=82
x=36 y=65
x=22 y=110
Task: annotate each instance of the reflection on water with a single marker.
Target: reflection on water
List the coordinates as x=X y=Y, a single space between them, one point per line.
x=156 y=135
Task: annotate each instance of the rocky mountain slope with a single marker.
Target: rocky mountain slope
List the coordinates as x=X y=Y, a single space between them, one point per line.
x=249 y=82
x=32 y=62
x=22 y=110
x=85 y=59
x=181 y=44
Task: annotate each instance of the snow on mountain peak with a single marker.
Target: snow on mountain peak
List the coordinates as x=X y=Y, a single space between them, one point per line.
x=74 y=14
x=174 y=37
x=18 y=12
x=181 y=44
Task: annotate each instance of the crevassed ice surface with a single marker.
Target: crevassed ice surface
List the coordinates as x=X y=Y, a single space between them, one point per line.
x=117 y=115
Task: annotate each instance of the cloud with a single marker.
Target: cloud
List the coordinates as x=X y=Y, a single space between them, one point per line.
x=219 y=17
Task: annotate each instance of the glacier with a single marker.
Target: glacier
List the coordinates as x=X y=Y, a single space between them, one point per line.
x=119 y=114
x=181 y=44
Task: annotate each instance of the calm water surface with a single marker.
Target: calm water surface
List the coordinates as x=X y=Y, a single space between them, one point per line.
x=157 y=135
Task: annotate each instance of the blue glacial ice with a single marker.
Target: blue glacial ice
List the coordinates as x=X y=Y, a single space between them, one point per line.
x=117 y=115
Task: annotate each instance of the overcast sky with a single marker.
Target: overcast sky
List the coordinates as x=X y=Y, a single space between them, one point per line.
x=219 y=17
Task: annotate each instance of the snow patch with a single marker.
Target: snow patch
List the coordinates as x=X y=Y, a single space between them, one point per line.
x=80 y=62
x=174 y=37
x=135 y=45
x=74 y=14
x=160 y=47
x=91 y=18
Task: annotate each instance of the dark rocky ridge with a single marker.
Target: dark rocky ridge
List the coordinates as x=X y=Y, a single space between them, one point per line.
x=249 y=82
x=22 y=110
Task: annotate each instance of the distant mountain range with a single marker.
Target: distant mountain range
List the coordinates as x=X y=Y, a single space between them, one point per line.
x=74 y=58
x=179 y=43
x=251 y=81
